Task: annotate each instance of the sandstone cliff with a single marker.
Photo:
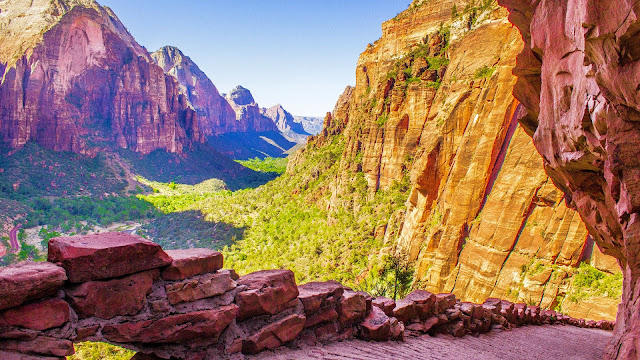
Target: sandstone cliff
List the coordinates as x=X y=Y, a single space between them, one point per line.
x=578 y=79
x=74 y=79
x=214 y=112
x=433 y=107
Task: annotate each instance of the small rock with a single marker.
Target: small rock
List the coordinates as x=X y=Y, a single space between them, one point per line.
x=385 y=304
x=274 y=335
x=376 y=326
x=352 y=307
x=315 y=295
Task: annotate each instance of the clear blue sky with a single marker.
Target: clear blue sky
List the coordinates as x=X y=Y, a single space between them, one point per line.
x=298 y=53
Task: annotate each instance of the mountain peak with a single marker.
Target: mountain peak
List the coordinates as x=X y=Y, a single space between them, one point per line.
x=241 y=96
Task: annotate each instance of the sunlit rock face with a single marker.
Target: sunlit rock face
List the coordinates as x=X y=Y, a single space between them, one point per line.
x=214 y=112
x=578 y=79
x=74 y=79
x=483 y=218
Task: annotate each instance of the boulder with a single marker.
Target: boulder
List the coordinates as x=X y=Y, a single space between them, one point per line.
x=405 y=311
x=29 y=281
x=41 y=315
x=199 y=287
x=424 y=302
x=110 y=298
x=376 y=326
x=385 y=304
x=323 y=315
x=444 y=302
x=192 y=262
x=274 y=334
x=315 y=295
x=352 y=307
x=103 y=256
x=181 y=328
x=267 y=292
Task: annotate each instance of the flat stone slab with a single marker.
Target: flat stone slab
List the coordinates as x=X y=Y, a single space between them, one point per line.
x=192 y=262
x=29 y=281
x=107 y=255
x=200 y=287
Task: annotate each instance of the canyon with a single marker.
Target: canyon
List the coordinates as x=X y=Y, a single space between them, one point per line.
x=433 y=107
x=481 y=185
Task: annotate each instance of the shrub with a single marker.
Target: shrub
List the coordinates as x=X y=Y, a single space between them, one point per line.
x=484 y=72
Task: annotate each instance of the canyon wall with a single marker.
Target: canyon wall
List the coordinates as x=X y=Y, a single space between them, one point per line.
x=181 y=304
x=215 y=113
x=74 y=79
x=433 y=107
x=578 y=78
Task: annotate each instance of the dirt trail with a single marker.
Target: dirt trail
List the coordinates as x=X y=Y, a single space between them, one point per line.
x=13 y=239
x=531 y=342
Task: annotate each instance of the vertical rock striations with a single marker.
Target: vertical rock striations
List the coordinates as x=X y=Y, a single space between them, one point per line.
x=433 y=109
x=578 y=79
x=74 y=79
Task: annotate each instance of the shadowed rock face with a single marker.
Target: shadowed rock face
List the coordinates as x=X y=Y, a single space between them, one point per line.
x=578 y=78
x=81 y=82
x=291 y=127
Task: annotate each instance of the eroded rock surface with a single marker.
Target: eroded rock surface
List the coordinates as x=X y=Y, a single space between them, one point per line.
x=578 y=78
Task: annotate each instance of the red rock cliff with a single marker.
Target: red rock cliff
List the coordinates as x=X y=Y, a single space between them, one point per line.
x=579 y=77
x=433 y=107
x=74 y=79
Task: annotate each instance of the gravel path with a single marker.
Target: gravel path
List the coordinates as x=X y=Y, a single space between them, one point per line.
x=531 y=342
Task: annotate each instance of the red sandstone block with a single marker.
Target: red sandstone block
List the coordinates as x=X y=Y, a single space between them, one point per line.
x=385 y=304
x=315 y=295
x=405 y=311
x=41 y=315
x=182 y=328
x=376 y=326
x=192 y=262
x=103 y=256
x=274 y=334
x=444 y=302
x=200 y=287
x=42 y=345
x=352 y=307
x=424 y=301
x=110 y=298
x=268 y=292
x=29 y=281
x=326 y=314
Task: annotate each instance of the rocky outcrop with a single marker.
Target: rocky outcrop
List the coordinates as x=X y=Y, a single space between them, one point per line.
x=578 y=80
x=433 y=109
x=290 y=128
x=214 y=112
x=76 y=80
x=252 y=313
x=248 y=112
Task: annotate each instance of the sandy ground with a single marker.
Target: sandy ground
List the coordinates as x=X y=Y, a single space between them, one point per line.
x=531 y=342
